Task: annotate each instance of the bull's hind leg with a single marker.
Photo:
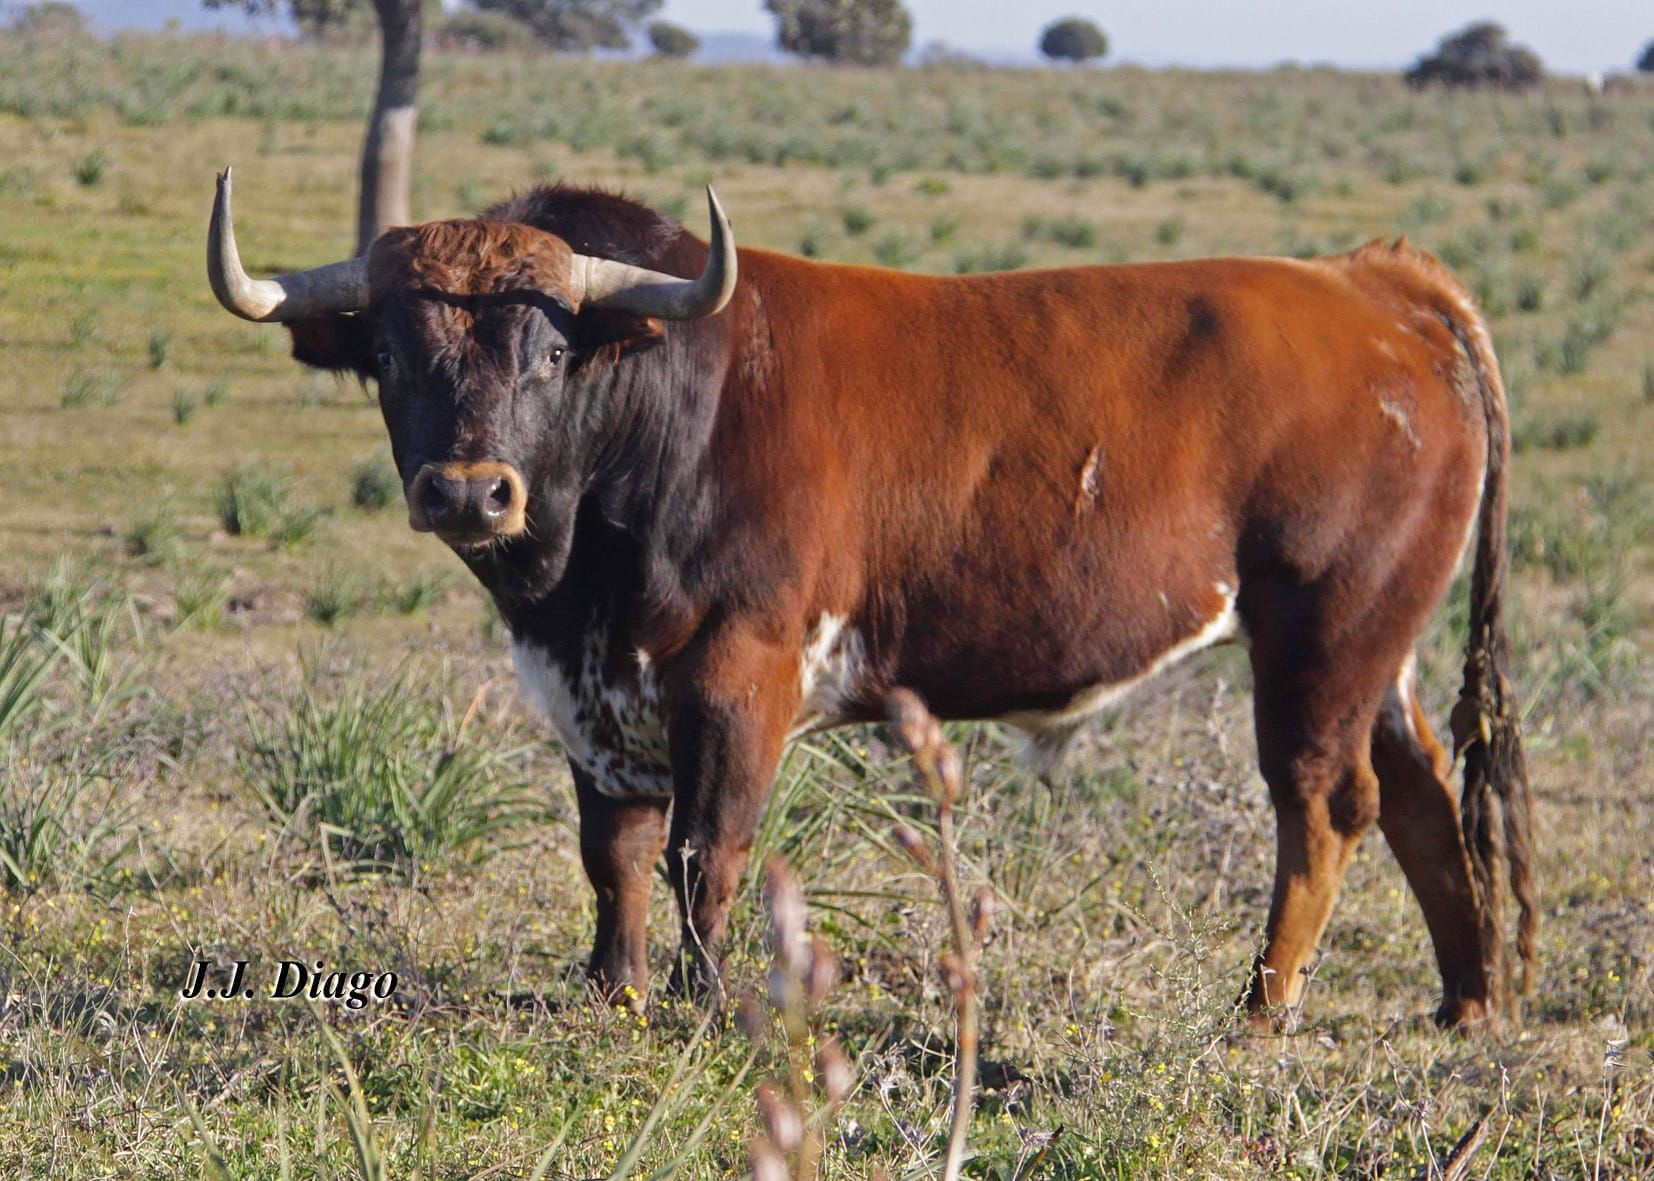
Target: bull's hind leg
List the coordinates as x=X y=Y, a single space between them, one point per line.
x=1419 y=815
x=1317 y=691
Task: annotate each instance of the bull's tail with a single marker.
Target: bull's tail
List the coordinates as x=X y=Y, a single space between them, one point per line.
x=1494 y=806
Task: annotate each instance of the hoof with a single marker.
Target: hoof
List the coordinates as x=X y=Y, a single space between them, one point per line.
x=622 y=990
x=1467 y=1014
x=695 y=977
x=1269 y=1020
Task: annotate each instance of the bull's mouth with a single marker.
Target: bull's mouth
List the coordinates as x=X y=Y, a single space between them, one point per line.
x=470 y=505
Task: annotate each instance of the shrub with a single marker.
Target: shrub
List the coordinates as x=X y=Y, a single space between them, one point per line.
x=334 y=596
x=484 y=32
x=1077 y=233
x=575 y=26
x=379 y=776
x=854 y=32
x=1005 y=257
x=895 y=249
x=1530 y=293
x=160 y=347
x=27 y=654
x=50 y=18
x=1074 y=39
x=53 y=833
x=83 y=328
x=1478 y=56
x=252 y=502
x=670 y=40
x=183 y=407
x=198 y=595
x=1565 y=432
x=1645 y=62
x=374 y=483
x=155 y=534
x=91 y=168
x=82 y=388
x=857 y=220
x=418 y=593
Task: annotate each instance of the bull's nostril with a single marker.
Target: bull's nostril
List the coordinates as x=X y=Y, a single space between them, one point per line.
x=434 y=500
x=499 y=498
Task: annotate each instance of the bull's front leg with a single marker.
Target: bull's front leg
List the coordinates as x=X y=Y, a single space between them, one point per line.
x=620 y=841
x=729 y=717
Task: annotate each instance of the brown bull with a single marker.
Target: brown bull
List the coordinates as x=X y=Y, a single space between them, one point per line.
x=718 y=515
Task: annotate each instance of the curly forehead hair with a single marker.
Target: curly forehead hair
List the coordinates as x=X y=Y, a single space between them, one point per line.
x=470 y=257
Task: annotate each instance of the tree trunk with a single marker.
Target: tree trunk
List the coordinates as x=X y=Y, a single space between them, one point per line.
x=387 y=152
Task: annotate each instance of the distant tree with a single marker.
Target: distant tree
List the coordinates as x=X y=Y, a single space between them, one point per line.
x=1645 y=63
x=387 y=149
x=577 y=24
x=1074 y=39
x=51 y=18
x=1479 y=55
x=670 y=40
x=320 y=20
x=489 y=32
x=854 y=32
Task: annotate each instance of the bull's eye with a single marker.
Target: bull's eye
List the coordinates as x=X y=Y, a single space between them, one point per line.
x=556 y=356
x=386 y=361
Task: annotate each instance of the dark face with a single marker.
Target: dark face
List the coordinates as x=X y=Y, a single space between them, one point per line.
x=486 y=382
x=473 y=394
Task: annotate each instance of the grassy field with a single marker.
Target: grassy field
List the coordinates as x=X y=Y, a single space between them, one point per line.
x=246 y=714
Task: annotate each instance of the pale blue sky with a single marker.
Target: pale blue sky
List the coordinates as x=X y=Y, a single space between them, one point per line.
x=1570 y=35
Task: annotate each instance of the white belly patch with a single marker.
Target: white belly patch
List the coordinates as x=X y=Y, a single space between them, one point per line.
x=616 y=732
x=1049 y=732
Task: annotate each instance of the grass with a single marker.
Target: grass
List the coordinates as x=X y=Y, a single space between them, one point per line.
x=374 y=484
x=261 y=765
x=199 y=594
x=376 y=777
x=91 y=168
x=155 y=534
x=82 y=388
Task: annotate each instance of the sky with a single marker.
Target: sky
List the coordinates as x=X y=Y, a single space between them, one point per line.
x=1573 y=36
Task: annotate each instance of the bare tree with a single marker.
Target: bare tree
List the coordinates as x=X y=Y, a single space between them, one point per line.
x=387 y=149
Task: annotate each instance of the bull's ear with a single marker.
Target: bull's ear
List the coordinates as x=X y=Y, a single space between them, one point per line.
x=612 y=334
x=342 y=343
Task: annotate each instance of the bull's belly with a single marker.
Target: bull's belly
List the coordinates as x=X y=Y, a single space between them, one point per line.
x=616 y=731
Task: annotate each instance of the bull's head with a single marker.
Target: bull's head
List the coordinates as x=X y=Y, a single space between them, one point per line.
x=476 y=332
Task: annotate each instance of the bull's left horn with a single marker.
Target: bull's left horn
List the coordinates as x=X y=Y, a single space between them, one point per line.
x=604 y=283
x=337 y=287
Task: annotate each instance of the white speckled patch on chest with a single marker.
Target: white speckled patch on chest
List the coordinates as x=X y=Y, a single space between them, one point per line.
x=615 y=731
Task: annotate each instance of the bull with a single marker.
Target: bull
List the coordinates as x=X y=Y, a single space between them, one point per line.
x=719 y=514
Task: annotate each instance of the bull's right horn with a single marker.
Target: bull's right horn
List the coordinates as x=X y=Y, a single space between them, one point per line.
x=337 y=287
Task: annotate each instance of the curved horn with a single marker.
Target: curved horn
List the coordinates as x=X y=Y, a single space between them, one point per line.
x=337 y=287
x=604 y=283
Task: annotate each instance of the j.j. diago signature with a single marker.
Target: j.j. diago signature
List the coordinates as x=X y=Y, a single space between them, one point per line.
x=293 y=979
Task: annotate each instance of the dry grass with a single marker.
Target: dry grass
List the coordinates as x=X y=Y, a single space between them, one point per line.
x=1130 y=893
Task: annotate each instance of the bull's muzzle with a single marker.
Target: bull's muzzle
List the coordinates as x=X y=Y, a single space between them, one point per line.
x=468 y=503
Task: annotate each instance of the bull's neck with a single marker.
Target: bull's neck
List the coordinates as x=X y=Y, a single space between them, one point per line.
x=653 y=483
